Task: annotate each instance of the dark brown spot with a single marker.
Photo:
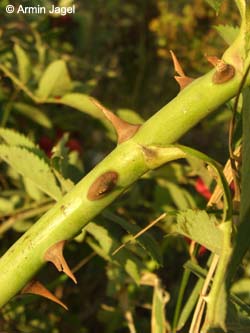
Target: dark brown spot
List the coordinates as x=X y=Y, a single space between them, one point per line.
x=149 y=152
x=224 y=72
x=103 y=185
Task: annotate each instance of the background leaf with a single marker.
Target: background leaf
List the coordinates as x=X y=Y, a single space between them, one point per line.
x=227 y=32
x=81 y=102
x=13 y=138
x=147 y=242
x=108 y=244
x=158 y=320
x=24 y=65
x=200 y=227
x=34 y=113
x=55 y=81
x=215 y=4
x=32 y=167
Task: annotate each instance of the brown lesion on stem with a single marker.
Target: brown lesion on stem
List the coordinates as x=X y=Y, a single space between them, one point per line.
x=124 y=130
x=55 y=255
x=103 y=185
x=223 y=72
x=37 y=288
x=149 y=153
x=182 y=79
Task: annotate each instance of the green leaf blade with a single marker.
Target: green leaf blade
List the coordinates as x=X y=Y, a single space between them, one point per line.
x=31 y=166
x=24 y=65
x=200 y=227
x=13 y=138
x=33 y=113
x=55 y=81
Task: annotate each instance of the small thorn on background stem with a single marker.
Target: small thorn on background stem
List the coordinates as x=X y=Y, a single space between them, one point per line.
x=124 y=130
x=223 y=71
x=55 y=255
x=36 y=288
x=182 y=79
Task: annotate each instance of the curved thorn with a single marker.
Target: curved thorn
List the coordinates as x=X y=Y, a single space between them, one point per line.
x=36 y=288
x=123 y=129
x=55 y=255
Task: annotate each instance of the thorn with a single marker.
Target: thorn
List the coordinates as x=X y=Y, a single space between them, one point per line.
x=213 y=60
x=177 y=65
x=182 y=79
x=36 y=288
x=124 y=130
x=55 y=255
x=223 y=71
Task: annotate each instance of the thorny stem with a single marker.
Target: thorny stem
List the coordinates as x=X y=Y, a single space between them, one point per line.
x=19 y=84
x=130 y=160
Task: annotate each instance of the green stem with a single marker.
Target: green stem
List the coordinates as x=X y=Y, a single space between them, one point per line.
x=182 y=289
x=19 y=84
x=8 y=107
x=24 y=214
x=218 y=297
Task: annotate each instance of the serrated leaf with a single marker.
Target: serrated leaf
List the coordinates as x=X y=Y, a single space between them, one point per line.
x=215 y=4
x=228 y=32
x=55 y=81
x=32 y=190
x=13 y=138
x=23 y=61
x=146 y=241
x=200 y=227
x=31 y=166
x=107 y=244
x=34 y=114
